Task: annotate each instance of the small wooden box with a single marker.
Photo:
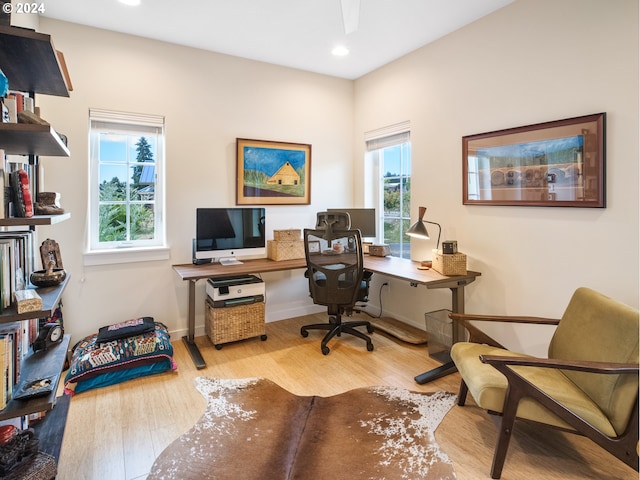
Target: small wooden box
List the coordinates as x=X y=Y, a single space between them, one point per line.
x=228 y=324
x=285 y=250
x=28 y=301
x=449 y=264
x=290 y=235
x=379 y=250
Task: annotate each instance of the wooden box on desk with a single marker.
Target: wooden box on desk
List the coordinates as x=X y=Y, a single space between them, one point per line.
x=289 y=235
x=449 y=263
x=285 y=250
x=228 y=324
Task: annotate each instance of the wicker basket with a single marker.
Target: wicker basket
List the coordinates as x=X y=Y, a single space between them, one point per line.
x=229 y=324
x=287 y=235
x=449 y=264
x=379 y=250
x=286 y=250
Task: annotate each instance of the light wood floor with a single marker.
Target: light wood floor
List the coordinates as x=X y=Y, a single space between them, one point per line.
x=116 y=432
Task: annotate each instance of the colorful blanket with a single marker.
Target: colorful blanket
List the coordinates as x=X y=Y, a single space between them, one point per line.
x=95 y=364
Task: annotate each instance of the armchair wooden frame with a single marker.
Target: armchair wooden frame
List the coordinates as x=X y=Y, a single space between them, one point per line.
x=624 y=446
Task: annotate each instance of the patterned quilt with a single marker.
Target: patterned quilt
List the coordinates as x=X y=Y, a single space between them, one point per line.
x=95 y=364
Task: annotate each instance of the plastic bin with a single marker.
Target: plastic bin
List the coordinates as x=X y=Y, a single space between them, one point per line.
x=439 y=334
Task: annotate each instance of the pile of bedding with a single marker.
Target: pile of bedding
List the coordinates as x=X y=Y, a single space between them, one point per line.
x=119 y=352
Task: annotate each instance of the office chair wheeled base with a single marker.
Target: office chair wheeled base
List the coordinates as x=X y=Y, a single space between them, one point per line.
x=336 y=327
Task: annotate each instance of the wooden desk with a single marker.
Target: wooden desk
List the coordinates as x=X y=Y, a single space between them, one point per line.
x=394 y=267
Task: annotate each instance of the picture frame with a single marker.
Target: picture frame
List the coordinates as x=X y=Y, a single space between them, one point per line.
x=314 y=246
x=272 y=173
x=559 y=163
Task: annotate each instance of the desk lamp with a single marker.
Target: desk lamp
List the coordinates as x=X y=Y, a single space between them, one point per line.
x=419 y=229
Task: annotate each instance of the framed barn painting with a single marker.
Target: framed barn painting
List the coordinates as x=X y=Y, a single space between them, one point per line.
x=559 y=163
x=272 y=173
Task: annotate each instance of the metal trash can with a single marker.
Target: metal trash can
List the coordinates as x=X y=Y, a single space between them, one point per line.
x=439 y=334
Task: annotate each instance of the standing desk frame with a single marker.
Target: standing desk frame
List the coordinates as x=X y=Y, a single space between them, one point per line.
x=394 y=267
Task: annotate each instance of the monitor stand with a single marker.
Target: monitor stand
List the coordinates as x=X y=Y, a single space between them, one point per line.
x=229 y=261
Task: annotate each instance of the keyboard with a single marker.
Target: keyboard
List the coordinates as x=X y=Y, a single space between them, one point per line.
x=230 y=261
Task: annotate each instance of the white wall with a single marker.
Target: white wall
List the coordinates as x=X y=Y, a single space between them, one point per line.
x=532 y=61
x=208 y=100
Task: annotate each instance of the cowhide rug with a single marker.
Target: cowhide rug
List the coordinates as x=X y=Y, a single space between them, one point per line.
x=254 y=429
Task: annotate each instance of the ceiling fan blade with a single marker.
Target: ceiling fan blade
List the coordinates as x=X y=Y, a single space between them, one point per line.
x=350 y=15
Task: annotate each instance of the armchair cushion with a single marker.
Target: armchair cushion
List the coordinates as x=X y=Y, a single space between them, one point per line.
x=598 y=328
x=488 y=388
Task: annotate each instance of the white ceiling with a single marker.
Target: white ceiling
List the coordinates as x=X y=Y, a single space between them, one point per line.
x=292 y=33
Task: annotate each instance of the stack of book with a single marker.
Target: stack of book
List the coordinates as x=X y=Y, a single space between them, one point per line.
x=13 y=346
x=16 y=102
x=17 y=186
x=17 y=263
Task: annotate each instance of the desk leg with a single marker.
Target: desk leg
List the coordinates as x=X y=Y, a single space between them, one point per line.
x=189 y=340
x=447 y=368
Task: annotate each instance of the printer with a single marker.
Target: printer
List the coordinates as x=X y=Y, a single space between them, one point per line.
x=235 y=290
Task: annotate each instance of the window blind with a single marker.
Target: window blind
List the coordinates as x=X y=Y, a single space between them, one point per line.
x=109 y=116
x=389 y=136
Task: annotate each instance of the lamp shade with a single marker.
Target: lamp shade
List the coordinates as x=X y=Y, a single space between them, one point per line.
x=419 y=229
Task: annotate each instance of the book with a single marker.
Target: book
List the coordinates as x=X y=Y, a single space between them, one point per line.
x=3 y=206
x=5 y=286
x=19 y=97
x=28 y=104
x=12 y=109
x=15 y=330
x=26 y=193
x=16 y=195
x=5 y=112
x=23 y=242
x=4 y=371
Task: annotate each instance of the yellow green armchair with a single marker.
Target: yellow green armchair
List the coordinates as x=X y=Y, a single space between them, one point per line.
x=587 y=385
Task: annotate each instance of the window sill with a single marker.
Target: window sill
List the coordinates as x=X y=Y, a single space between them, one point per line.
x=129 y=255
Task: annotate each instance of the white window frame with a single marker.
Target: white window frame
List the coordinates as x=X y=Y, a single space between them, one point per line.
x=96 y=252
x=376 y=140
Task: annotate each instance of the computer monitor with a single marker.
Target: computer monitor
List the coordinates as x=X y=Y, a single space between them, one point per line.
x=222 y=234
x=363 y=219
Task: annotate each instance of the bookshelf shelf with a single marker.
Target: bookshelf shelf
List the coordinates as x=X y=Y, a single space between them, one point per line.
x=31 y=63
x=32 y=139
x=44 y=363
x=50 y=299
x=34 y=221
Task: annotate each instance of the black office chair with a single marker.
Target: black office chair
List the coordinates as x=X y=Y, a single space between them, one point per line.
x=336 y=276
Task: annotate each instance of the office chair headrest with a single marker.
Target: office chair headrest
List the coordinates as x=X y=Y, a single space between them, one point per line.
x=331 y=221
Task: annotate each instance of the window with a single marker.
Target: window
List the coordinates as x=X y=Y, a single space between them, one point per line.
x=126 y=181
x=389 y=156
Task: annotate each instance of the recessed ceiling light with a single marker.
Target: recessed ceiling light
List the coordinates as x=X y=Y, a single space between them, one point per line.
x=133 y=3
x=340 y=51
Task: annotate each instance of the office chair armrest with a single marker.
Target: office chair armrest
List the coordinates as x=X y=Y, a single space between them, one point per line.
x=476 y=335
x=582 y=366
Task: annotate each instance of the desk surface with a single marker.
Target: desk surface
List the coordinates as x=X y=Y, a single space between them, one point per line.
x=394 y=267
